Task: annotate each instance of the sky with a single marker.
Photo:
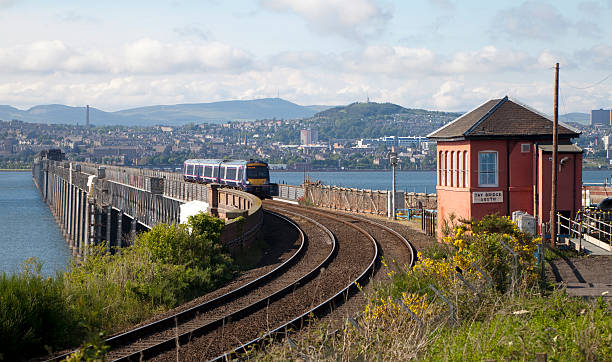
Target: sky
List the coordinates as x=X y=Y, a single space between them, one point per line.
x=433 y=54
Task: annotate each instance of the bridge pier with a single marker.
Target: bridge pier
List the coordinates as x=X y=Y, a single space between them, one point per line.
x=133 y=231
x=119 y=240
x=89 y=202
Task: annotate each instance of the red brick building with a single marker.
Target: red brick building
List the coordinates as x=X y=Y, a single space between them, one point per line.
x=497 y=159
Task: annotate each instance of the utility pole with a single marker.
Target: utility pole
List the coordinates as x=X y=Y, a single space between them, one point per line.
x=553 y=198
x=393 y=161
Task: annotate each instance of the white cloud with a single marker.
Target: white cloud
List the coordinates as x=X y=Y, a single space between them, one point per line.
x=531 y=20
x=145 y=56
x=447 y=5
x=149 y=71
x=489 y=59
x=152 y=56
x=353 y=19
x=7 y=3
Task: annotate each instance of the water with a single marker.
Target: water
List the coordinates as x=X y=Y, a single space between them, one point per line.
x=411 y=181
x=27 y=228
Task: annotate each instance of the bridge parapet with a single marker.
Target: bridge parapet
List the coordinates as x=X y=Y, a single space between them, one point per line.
x=91 y=206
x=239 y=231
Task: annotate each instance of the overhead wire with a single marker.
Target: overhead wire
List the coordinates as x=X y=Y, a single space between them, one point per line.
x=592 y=85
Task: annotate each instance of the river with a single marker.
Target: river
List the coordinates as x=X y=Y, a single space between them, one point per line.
x=27 y=228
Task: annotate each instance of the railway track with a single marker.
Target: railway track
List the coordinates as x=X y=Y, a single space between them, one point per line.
x=318 y=277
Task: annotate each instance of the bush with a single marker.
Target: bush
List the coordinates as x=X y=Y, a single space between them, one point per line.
x=33 y=314
x=486 y=322
x=166 y=266
x=109 y=292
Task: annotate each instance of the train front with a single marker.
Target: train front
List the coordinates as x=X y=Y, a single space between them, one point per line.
x=258 y=178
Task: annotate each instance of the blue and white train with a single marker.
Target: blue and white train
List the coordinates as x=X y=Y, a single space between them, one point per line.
x=250 y=176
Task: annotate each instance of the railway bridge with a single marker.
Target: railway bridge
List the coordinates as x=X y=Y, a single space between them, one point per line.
x=317 y=259
x=92 y=202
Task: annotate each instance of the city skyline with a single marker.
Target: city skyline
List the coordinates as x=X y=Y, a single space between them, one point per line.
x=437 y=54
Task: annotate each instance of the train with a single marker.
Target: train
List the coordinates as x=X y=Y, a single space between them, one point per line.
x=252 y=176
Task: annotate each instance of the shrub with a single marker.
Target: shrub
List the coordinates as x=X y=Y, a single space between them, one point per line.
x=33 y=314
x=166 y=266
x=406 y=320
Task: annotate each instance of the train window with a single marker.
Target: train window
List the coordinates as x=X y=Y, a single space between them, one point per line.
x=208 y=171
x=240 y=172
x=190 y=169
x=200 y=170
x=222 y=171
x=215 y=172
x=231 y=174
x=257 y=172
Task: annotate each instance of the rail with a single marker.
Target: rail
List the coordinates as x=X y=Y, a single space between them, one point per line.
x=319 y=310
x=588 y=227
x=169 y=322
x=243 y=312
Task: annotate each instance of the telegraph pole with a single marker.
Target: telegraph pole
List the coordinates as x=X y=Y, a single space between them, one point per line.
x=553 y=198
x=393 y=161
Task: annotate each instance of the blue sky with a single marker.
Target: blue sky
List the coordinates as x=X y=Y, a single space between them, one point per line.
x=433 y=54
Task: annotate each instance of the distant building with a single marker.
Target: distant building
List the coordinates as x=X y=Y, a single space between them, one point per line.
x=601 y=117
x=309 y=136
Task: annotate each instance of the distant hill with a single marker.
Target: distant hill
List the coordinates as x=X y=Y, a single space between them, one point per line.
x=582 y=118
x=361 y=110
x=215 y=112
x=373 y=120
x=266 y=108
x=318 y=108
x=61 y=114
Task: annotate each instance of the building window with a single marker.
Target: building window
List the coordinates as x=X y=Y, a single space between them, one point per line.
x=487 y=169
x=460 y=167
x=452 y=168
x=441 y=169
x=525 y=147
x=466 y=163
x=447 y=180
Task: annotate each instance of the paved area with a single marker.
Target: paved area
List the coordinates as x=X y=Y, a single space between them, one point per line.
x=589 y=248
x=587 y=276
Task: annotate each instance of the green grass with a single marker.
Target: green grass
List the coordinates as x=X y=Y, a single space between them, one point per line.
x=564 y=328
x=107 y=293
x=34 y=315
x=503 y=321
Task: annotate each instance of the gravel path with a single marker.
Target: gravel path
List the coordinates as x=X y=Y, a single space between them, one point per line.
x=586 y=276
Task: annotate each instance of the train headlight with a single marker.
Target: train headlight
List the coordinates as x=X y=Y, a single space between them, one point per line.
x=248 y=182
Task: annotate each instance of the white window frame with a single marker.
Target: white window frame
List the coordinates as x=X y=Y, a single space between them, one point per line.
x=480 y=171
x=461 y=171
x=452 y=168
x=441 y=168
x=448 y=156
x=466 y=165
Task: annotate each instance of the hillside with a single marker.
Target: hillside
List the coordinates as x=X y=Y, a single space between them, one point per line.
x=374 y=120
x=179 y=114
x=266 y=108
x=582 y=118
x=362 y=110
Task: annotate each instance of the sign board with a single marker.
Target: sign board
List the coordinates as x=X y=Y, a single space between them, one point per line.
x=487 y=197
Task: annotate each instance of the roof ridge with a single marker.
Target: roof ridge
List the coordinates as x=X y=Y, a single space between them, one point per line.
x=570 y=128
x=490 y=112
x=458 y=118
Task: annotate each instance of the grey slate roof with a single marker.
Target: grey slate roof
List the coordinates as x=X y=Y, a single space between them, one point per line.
x=501 y=118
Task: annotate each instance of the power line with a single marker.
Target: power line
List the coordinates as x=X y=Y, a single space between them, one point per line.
x=592 y=85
